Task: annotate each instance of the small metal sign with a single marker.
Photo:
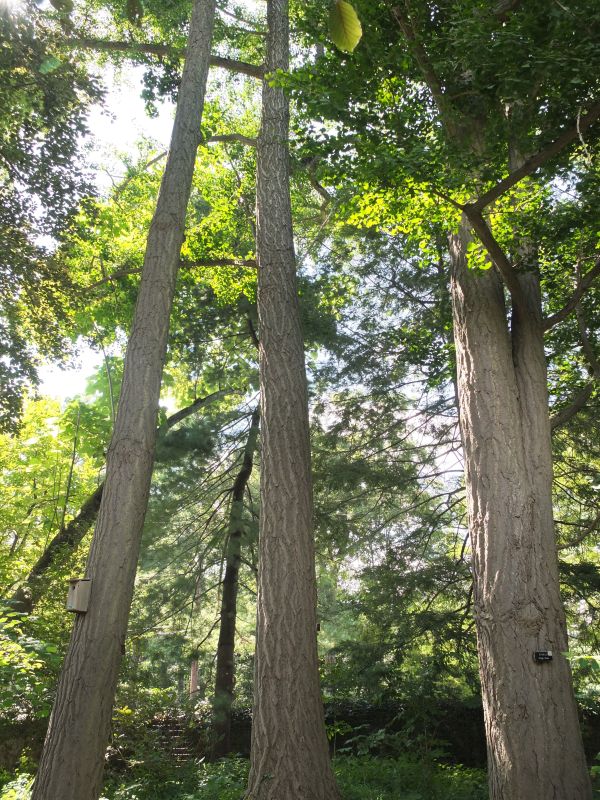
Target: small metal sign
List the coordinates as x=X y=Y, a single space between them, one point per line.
x=541 y=656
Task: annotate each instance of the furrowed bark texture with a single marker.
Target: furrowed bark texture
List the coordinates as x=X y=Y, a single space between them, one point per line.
x=289 y=755
x=534 y=742
x=225 y=669
x=73 y=757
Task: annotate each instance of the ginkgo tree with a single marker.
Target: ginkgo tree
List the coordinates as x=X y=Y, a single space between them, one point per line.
x=444 y=129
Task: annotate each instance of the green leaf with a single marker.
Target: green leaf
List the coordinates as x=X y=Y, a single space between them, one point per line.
x=135 y=11
x=49 y=65
x=344 y=26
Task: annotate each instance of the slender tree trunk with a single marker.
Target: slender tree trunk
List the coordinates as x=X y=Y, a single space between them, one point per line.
x=68 y=539
x=73 y=757
x=289 y=756
x=225 y=671
x=194 y=679
x=534 y=742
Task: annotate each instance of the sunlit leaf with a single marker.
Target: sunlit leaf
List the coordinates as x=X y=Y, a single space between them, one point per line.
x=344 y=26
x=49 y=65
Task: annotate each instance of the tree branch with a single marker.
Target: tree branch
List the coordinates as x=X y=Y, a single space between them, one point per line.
x=222 y=262
x=206 y=262
x=586 y=346
x=70 y=535
x=122 y=186
x=445 y=107
x=505 y=7
x=186 y=412
x=582 y=536
x=567 y=413
x=584 y=395
x=249 y=141
x=539 y=159
x=497 y=255
x=252 y=330
x=582 y=286
x=223 y=137
x=251 y=30
x=319 y=189
x=162 y=50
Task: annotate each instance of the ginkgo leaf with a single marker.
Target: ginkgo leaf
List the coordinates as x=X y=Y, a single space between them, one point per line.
x=344 y=26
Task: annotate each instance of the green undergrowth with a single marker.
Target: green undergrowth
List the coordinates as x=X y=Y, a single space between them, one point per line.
x=359 y=778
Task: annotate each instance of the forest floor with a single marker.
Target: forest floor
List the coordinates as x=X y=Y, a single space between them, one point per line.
x=359 y=778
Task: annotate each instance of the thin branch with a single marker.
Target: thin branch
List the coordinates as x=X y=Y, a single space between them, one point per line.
x=122 y=273
x=251 y=30
x=319 y=189
x=567 y=413
x=504 y=8
x=582 y=536
x=445 y=107
x=497 y=255
x=314 y=182
x=206 y=262
x=249 y=141
x=584 y=395
x=71 y=468
x=539 y=159
x=162 y=50
x=223 y=137
x=70 y=535
x=582 y=286
x=183 y=413
x=586 y=346
x=250 y=263
x=146 y=166
x=111 y=394
x=252 y=330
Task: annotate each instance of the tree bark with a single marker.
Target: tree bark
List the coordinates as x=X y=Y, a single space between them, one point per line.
x=194 y=679
x=534 y=742
x=289 y=752
x=225 y=670
x=73 y=757
x=70 y=536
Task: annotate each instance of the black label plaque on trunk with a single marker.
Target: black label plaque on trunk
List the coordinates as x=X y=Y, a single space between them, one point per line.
x=541 y=656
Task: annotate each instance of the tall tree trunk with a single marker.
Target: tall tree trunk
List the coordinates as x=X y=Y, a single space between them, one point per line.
x=225 y=671
x=534 y=742
x=70 y=536
x=289 y=755
x=73 y=757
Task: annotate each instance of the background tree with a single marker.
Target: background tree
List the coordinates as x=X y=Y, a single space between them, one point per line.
x=44 y=100
x=289 y=750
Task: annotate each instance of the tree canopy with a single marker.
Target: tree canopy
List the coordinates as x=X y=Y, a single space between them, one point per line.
x=441 y=155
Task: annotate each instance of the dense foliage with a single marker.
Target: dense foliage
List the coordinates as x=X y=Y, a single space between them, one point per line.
x=381 y=167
